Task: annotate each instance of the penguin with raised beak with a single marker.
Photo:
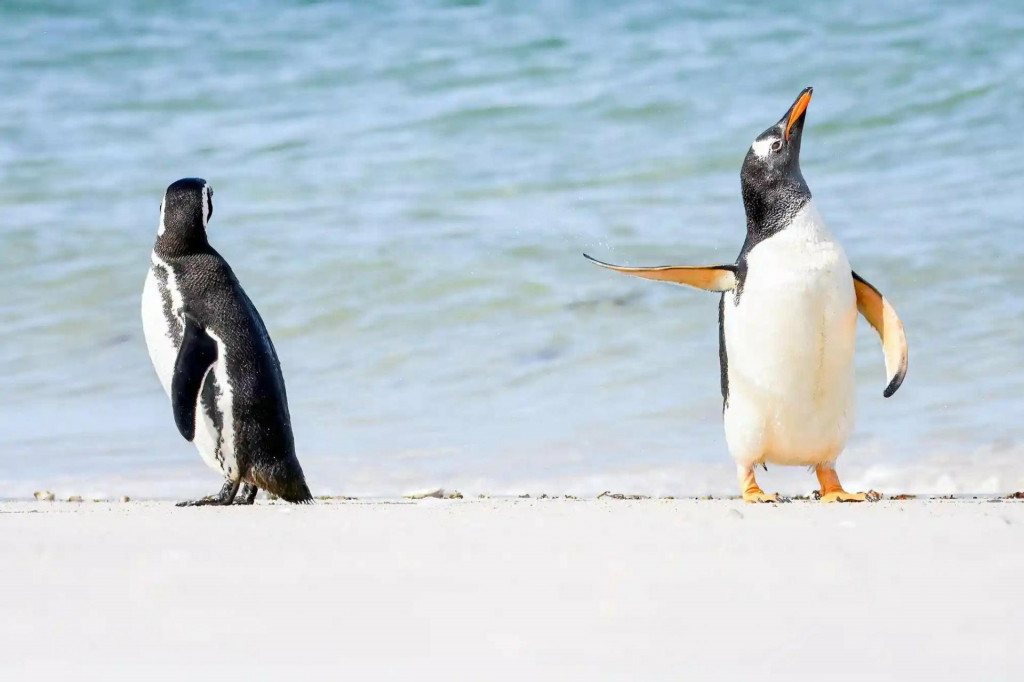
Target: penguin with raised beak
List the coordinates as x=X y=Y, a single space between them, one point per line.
x=787 y=322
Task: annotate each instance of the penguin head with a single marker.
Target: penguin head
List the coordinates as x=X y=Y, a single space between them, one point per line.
x=771 y=177
x=184 y=212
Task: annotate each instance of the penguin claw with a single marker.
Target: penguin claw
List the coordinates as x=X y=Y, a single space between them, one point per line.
x=225 y=497
x=843 y=496
x=208 y=501
x=832 y=490
x=758 y=497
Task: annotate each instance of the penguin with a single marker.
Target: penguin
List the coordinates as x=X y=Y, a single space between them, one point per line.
x=787 y=322
x=214 y=357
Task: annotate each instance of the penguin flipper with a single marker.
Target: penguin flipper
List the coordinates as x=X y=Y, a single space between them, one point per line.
x=707 y=277
x=197 y=354
x=882 y=316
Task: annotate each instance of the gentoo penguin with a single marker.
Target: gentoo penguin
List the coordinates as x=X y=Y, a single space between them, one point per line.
x=214 y=357
x=787 y=322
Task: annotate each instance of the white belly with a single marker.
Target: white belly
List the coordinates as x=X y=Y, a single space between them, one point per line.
x=216 y=446
x=790 y=346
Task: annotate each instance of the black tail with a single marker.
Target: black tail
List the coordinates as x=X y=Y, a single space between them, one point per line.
x=283 y=478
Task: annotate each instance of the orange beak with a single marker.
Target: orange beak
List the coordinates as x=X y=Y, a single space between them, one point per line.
x=798 y=109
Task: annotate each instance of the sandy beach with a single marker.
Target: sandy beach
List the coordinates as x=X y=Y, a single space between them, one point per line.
x=502 y=589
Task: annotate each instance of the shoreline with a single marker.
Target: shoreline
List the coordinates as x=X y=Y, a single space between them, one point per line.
x=967 y=473
x=455 y=496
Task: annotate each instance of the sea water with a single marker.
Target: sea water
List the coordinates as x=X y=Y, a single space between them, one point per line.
x=405 y=191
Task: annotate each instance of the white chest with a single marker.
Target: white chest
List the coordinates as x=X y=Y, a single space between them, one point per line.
x=790 y=342
x=798 y=289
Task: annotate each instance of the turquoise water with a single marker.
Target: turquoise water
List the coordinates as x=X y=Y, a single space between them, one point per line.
x=405 y=190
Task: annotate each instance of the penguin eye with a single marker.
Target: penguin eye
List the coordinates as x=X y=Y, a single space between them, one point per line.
x=777 y=145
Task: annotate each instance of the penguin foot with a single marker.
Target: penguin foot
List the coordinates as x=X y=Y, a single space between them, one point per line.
x=843 y=496
x=756 y=496
x=752 y=492
x=247 y=495
x=225 y=497
x=208 y=501
x=832 y=489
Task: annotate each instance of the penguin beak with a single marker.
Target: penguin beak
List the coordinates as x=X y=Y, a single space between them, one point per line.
x=796 y=112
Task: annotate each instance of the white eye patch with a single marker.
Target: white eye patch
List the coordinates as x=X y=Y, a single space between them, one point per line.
x=763 y=147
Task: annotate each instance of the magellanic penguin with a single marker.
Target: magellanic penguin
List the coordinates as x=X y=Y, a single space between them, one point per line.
x=787 y=322
x=214 y=357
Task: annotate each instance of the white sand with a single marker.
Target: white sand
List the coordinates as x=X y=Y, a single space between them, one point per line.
x=514 y=589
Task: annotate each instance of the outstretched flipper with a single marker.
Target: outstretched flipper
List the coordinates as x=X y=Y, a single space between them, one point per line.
x=197 y=354
x=882 y=316
x=707 y=277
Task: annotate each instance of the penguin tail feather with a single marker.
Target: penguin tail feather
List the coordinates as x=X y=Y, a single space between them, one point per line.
x=284 y=479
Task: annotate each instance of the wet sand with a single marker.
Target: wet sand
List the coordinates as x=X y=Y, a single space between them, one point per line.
x=502 y=589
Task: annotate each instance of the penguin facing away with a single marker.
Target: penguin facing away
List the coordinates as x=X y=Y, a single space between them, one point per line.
x=787 y=322
x=214 y=357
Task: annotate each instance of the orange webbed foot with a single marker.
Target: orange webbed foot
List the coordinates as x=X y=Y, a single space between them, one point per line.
x=843 y=496
x=752 y=493
x=832 y=489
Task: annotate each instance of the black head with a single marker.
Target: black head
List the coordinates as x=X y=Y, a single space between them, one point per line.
x=184 y=212
x=773 y=186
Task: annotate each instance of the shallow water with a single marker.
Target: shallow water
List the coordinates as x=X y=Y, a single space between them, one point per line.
x=405 y=193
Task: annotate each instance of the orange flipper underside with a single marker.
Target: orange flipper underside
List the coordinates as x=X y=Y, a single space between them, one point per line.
x=882 y=316
x=709 y=277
